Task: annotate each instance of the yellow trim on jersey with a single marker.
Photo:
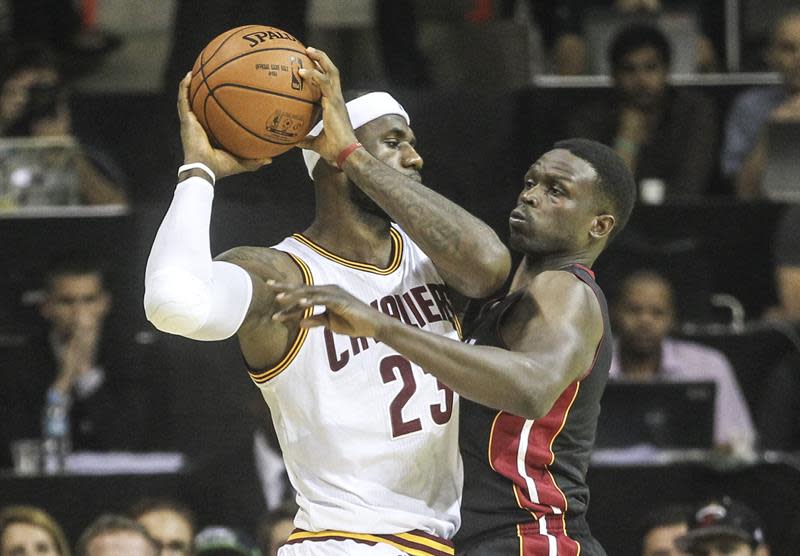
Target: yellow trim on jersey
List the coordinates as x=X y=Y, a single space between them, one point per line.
x=394 y=264
x=553 y=454
x=280 y=366
x=411 y=537
x=491 y=435
x=457 y=324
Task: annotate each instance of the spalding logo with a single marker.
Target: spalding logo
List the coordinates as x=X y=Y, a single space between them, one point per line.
x=261 y=36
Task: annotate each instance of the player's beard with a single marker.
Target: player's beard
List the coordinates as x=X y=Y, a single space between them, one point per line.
x=364 y=203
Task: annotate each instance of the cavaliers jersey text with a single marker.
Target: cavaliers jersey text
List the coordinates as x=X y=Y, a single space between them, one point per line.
x=369 y=439
x=526 y=478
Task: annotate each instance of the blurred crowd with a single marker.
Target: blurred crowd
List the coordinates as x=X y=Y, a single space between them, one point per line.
x=82 y=375
x=166 y=527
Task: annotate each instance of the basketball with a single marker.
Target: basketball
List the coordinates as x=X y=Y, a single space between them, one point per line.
x=248 y=95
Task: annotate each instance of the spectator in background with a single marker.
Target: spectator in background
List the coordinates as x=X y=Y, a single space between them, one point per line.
x=275 y=528
x=562 y=28
x=662 y=133
x=115 y=535
x=33 y=103
x=744 y=151
x=224 y=541
x=644 y=316
x=170 y=523
x=661 y=527
x=114 y=383
x=725 y=527
x=29 y=531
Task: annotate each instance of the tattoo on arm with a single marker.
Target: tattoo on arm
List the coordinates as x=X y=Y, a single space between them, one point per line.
x=412 y=208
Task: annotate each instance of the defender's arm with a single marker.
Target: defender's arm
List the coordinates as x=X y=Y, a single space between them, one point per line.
x=552 y=335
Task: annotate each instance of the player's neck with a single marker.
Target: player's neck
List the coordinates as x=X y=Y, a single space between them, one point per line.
x=363 y=239
x=531 y=266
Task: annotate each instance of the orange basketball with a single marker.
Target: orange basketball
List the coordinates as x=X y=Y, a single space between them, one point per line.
x=248 y=95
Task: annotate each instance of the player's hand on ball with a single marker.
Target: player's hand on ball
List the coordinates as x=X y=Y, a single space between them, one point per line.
x=338 y=132
x=344 y=314
x=197 y=147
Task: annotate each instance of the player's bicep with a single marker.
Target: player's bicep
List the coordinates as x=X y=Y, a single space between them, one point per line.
x=576 y=318
x=263 y=264
x=262 y=339
x=564 y=335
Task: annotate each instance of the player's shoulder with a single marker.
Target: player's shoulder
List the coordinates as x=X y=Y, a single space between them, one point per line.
x=558 y=282
x=563 y=291
x=264 y=262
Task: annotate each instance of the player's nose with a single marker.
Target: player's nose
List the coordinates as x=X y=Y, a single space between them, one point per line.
x=412 y=159
x=529 y=196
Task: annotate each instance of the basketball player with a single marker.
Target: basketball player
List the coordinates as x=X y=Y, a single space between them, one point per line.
x=369 y=440
x=534 y=366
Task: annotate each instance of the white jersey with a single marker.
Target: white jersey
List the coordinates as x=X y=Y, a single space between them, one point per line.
x=369 y=439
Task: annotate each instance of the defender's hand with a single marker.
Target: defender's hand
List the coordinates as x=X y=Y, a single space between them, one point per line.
x=338 y=132
x=197 y=147
x=344 y=313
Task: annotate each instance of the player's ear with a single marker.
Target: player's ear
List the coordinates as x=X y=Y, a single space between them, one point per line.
x=602 y=224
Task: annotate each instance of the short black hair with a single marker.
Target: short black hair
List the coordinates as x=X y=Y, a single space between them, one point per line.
x=646 y=275
x=614 y=179
x=75 y=264
x=664 y=516
x=634 y=37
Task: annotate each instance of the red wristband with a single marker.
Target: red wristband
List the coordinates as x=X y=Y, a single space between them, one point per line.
x=347 y=151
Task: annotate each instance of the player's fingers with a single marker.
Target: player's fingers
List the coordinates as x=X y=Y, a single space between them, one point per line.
x=323 y=60
x=183 y=95
x=323 y=319
x=288 y=313
x=318 y=78
x=307 y=143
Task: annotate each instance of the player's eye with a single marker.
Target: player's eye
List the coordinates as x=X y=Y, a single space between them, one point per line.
x=392 y=143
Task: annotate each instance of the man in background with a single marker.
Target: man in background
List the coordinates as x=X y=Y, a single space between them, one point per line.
x=644 y=316
x=744 y=151
x=661 y=527
x=170 y=523
x=34 y=103
x=110 y=381
x=660 y=132
x=724 y=528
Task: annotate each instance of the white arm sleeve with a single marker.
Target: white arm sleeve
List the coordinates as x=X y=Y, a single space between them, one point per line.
x=187 y=293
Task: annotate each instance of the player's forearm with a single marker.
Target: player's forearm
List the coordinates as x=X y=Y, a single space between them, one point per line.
x=466 y=251
x=491 y=376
